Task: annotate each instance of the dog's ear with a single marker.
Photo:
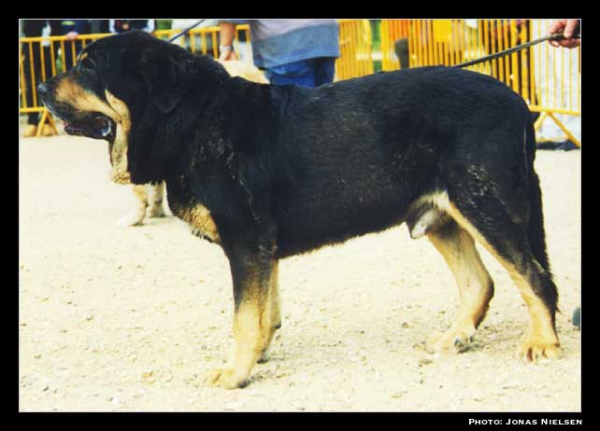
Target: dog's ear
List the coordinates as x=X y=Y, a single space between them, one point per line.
x=164 y=76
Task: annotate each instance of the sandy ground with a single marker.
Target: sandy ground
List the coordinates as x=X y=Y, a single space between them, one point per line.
x=129 y=319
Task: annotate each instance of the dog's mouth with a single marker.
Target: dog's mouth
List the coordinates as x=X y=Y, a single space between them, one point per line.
x=94 y=125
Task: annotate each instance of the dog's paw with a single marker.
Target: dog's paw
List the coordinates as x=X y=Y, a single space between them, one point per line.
x=227 y=378
x=133 y=219
x=156 y=212
x=450 y=342
x=264 y=357
x=532 y=350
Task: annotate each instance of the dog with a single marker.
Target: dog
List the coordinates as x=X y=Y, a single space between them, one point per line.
x=149 y=197
x=268 y=172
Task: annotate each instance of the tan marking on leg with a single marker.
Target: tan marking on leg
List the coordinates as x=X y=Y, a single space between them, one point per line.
x=155 y=199
x=475 y=289
x=140 y=193
x=274 y=296
x=275 y=307
x=201 y=221
x=137 y=215
x=541 y=338
x=252 y=329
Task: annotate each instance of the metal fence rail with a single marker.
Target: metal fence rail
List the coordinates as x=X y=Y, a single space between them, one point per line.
x=356 y=57
x=205 y=40
x=549 y=79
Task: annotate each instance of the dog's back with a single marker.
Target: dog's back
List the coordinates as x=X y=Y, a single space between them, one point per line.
x=350 y=157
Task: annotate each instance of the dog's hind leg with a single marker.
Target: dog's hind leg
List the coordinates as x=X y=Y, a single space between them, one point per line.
x=475 y=285
x=517 y=241
x=137 y=215
x=155 y=200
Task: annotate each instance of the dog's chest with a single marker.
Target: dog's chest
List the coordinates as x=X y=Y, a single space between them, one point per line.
x=188 y=208
x=198 y=217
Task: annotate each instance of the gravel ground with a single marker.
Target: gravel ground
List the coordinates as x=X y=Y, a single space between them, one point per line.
x=129 y=319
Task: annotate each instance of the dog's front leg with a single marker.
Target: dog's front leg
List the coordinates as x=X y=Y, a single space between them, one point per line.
x=252 y=324
x=137 y=215
x=155 y=200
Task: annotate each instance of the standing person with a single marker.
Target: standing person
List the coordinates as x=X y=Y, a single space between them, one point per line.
x=119 y=26
x=292 y=51
x=35 y=28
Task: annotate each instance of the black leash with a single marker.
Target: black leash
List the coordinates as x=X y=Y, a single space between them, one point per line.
x=177 y=36
x=557 y=36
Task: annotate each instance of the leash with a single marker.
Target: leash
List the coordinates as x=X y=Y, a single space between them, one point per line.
x=556 y=36
x=186 y=31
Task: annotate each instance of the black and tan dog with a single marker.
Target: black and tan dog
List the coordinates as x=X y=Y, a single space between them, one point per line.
x=268 y=172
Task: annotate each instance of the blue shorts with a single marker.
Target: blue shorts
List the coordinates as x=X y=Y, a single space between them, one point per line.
x=306 y=73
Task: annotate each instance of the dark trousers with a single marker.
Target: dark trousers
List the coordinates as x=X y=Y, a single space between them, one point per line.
x=306 y=73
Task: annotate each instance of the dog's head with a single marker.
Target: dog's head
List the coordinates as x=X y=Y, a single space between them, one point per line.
x=121 y=89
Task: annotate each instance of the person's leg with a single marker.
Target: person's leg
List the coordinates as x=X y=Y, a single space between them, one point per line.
x=299 y=73
x=324 y=70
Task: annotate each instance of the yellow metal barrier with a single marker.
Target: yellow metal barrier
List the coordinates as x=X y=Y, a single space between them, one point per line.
x=205 y=40
x=549 y=79
x=392 y=31
x=355 y=49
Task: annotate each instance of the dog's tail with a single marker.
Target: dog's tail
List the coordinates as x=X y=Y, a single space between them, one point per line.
x=537 y=235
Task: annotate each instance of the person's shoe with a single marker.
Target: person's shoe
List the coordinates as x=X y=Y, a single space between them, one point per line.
x=30 y=131
x=47 y=130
